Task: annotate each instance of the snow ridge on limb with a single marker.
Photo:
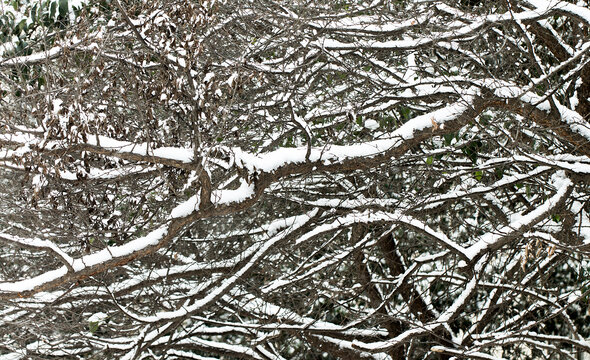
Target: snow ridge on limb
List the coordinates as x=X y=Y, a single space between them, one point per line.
x=38 y=244
x=577 y=11
x=171 y=156
x=469 y=353
x=335 y=155
x=83 y=266
x=521 y=223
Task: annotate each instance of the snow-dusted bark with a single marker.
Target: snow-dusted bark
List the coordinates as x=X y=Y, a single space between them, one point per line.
x=277 y=180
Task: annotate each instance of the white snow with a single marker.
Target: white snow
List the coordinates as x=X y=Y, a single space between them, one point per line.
x=186 y=208
x=223 y=197
x=99 y=318
x=371 y=124
x=180 y=154
x=57 y=105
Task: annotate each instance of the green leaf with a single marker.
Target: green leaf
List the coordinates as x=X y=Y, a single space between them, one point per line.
x=429 y=160
x=22 y=25
x=499 y=172
x=448 y=138
x=404 y=112
x=472 y=150
x=485 y=119
x=34 y=13
x=556 y=218
x=478 y=175
x=93 y=326
x=63 y=8
x=52 y=11
x=41 y=81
